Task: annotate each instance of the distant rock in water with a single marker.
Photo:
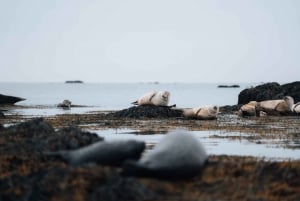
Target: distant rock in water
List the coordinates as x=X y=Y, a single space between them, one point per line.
x=147 y=111
x=270 y=91
x=4 y=99
x=73 y=82
x=229 y=86
x=66 y=104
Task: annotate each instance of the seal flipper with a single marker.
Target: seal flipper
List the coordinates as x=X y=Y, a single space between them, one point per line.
x=135 y=103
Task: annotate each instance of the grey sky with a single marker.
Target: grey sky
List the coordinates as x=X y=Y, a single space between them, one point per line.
x=157 y=40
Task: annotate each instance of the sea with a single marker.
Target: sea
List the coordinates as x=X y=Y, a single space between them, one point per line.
x=42 y=99
x=114 y=96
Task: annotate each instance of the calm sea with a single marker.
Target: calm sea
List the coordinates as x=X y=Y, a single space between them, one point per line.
x=116 y=96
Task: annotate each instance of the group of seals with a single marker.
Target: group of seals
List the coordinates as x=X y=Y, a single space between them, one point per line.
x=179 y=155
x=161 y=98
x=270 y=107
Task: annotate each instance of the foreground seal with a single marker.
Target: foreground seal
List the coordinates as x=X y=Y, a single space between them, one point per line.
x=280 y=106
x=112 y=153
x=160 y=98
x=203 y=112
x=179 y=155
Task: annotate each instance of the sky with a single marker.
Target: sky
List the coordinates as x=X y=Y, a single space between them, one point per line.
x=143 y=41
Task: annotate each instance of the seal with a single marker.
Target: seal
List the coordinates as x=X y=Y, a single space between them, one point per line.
x=66 y=104
x=296 y=108
x=179 y=155
x=112 y=153
x=203 y=112
x=248 y=109
x=160 y=98
x=281 y=106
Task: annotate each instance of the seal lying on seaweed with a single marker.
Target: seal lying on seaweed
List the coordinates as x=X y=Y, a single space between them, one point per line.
x=160 y=98
x=112 y=153
x=178 y=155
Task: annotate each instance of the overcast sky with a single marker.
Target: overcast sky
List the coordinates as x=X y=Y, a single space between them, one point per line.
x=154 y=40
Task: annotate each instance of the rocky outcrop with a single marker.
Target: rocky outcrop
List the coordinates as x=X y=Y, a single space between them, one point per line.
x=270 y=91
x=4 y=99
x=146 y=111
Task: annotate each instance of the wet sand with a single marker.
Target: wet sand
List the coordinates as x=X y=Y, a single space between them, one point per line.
x=225 y=177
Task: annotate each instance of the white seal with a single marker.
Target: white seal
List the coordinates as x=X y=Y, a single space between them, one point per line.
x=203 y=112
x=160 y=98
x=276 y=106
x=248 y=109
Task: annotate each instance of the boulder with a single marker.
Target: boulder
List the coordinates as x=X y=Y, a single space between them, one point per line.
x=4 y=99
x=270 y=91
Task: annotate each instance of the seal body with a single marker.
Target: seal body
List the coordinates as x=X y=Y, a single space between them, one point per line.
x=178 y=155
x=248 y=109
x=112 y=153
x=160 y=98
x=280 y=106
x=203 y=112
x=296 y=108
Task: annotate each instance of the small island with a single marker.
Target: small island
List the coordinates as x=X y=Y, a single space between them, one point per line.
x=229 y=86
x=73 y=82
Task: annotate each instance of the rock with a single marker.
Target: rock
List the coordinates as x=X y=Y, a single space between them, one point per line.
x=270 y=91
x=146 y=111
x=4 y=99
x=73 y=82
x=66 y=104
x=39 y=136
x=229 y=108
x=229 y=86
x=2 y=115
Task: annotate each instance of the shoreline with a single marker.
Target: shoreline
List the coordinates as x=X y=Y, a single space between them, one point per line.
x=256 y=178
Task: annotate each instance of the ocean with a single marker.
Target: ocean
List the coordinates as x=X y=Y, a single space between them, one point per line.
x=114 y=96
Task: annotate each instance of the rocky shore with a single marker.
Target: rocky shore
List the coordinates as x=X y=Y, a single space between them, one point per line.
x=27 y=173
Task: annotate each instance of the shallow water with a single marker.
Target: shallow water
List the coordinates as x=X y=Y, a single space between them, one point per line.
x=113 y=96
x=218 y=146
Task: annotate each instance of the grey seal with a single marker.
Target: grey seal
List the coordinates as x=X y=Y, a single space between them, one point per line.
x=112 y=153
x=179 y=155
